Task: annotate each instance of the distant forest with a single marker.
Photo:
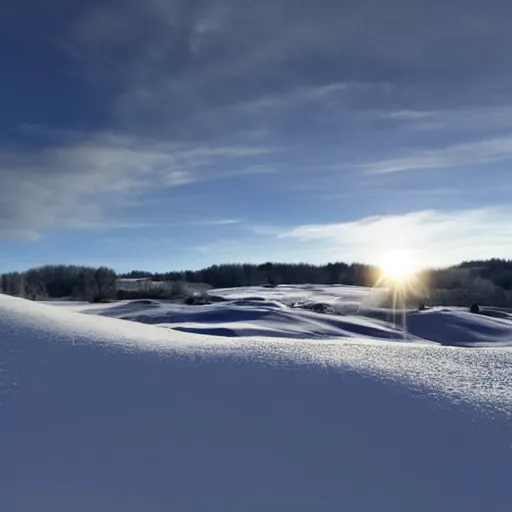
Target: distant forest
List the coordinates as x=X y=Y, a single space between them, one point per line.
x=487 y=282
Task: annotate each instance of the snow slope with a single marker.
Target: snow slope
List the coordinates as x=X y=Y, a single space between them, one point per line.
x=107 y=415
x=460 y=328
x=312 y=293
x=246 y=318
x=267 y=312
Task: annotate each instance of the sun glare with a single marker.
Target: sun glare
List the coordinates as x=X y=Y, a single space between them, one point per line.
x=398 y=265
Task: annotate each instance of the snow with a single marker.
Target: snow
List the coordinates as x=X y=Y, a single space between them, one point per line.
x=307 y=293
x=462 y=328
x=268 y=312
x=105 y=414
x=247 y=318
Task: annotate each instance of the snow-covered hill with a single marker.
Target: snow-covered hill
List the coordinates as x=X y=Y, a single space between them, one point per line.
x=270 y=312
x=246 y=318
x=289 y=294
x=103 y=414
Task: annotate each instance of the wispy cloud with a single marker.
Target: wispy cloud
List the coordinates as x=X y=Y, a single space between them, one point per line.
x=386 y=192
x=77 y=185
x=437 y=237
x=313 y=94
x=409 y=114
x=216 y=222
x=182 y=221
x=459 y=120
x=20 y=234
x=281 y=100
x=483 y=152
x=205 y=54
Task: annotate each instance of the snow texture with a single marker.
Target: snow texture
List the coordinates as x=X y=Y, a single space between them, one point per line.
x=101 y=414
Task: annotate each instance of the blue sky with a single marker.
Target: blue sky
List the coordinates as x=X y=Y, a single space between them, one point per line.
x=182 y=133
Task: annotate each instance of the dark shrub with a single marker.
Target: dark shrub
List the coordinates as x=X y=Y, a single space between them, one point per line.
x=474 y=308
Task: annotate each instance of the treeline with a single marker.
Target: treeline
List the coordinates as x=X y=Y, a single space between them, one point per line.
x=235 y=275
x=474 y=281
x=483 y=282
x=498 y=271
x=487 y=282
x=61 y=281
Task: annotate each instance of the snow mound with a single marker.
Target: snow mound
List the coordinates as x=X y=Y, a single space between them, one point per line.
x=244 y=317
x=24 y=319
x=460 y=328
x=290 y=294
x=103 y=414
x=446 y=326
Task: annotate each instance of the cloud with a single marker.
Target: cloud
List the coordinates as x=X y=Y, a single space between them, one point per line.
x=216 y=222
x=483 y=152
x=79 y=185
x=410 y=114
x=158 y=222
x=175 y=93
x=182 y=56
x=454 y=123
x=436 y=237
x=338 y=92
x=21 y=235
x=204 y=70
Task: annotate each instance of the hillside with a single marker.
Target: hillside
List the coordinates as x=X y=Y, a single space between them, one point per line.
x=103 y=414
x=292 y=312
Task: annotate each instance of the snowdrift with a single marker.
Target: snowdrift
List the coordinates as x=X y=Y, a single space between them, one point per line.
x=460 y=328
x=103 y=414
x=268 y=312
x=290 y=294
x=247 y=317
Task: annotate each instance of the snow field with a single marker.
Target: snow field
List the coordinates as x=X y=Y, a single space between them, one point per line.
x=103 y=414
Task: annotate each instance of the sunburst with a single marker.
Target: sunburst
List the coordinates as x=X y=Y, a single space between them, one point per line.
x=399 y=271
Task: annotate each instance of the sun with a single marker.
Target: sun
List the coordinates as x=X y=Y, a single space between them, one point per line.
x=398 y=265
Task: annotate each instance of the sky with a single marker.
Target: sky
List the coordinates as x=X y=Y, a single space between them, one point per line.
x=172 y=134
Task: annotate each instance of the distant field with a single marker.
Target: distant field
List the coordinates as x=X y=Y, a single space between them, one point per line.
x=292 y=312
